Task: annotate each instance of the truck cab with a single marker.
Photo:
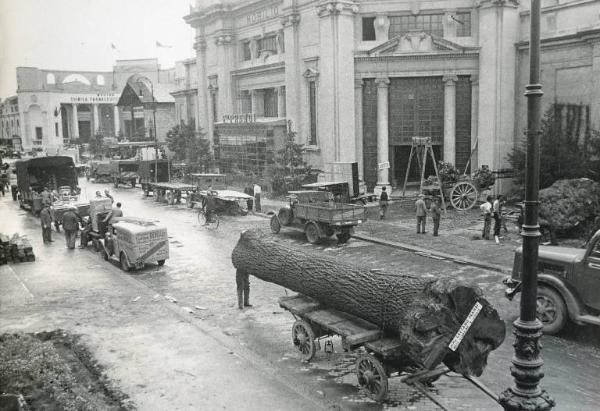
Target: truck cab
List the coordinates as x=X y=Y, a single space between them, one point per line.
x=568 y=284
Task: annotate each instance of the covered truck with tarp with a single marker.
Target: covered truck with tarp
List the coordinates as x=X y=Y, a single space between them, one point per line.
x=100 y=171
x=124 y=172
x=55 y=172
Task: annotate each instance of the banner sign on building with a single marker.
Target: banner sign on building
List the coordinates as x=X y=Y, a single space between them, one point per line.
x=259 y=16
x=239 y=118
x=384 y=165
x=99 y=98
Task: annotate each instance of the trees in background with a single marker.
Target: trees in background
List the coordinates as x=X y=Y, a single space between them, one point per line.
x=188 y=147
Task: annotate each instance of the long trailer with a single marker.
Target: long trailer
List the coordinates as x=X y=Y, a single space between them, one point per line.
x=382 y=357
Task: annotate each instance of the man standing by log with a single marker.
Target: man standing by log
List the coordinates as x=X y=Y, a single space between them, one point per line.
x=46 y=220
x=257 y=192
x=486 y=211
x=421 y=209
x=242 y=280
x=383 y=203
x=497 y=210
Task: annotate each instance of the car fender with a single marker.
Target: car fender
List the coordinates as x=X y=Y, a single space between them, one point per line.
x=574 y=305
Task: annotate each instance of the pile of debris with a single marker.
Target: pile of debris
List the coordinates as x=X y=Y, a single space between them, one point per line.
x=16 y=249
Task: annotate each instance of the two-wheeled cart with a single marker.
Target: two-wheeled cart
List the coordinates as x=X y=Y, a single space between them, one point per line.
x=382 y=354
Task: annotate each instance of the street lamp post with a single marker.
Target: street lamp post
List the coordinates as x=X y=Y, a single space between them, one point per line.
x=526 y=395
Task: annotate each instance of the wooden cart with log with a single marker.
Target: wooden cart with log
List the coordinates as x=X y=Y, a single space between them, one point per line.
x=381 y=355
x=318 y=216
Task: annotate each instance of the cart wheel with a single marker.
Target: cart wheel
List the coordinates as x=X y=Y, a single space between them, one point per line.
x=275 y=226
x=372 y=377
x=463 y=195
x=124 y=263
x=312 y=232
x=96 y=244
x=303 y=338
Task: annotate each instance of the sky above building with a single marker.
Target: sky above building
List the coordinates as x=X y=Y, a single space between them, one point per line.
x=89 y=34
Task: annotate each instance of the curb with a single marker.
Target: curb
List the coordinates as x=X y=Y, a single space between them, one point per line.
x=435 y=254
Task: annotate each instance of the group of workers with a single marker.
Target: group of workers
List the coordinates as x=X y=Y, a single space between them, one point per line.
x=71 y=220
x=492 y=208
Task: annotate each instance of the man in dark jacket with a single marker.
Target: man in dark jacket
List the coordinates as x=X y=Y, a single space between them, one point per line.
x=71 y=221
x=383 y=203
x=436 y=214
x=46 y=220
x=242 y=280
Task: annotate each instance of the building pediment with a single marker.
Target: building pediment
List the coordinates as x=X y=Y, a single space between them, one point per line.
x=417 y=42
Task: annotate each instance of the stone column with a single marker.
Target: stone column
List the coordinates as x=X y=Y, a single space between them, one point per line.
x=116 y=121
x=256 y=106
x=203 y=120
x=281 y=101
x=75 y=122
x=358 y=92
x=382 y=130
x=294 y=106
x=474 y=119
x=450 y=118
x=595 y=100
x=96 y=119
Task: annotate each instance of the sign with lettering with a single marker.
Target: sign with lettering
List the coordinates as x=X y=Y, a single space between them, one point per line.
x=384 y=165
x=103 y=98
x=259 y=16
x=462 y=331
x=239 y=118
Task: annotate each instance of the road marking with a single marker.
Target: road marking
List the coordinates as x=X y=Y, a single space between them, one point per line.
x=20 y=281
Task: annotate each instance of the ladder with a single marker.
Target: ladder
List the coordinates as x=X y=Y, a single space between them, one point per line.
x=421 y=148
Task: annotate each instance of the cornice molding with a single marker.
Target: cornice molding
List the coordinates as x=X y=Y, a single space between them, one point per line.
x=259 y=69
x=497 y=3
x=327 y=8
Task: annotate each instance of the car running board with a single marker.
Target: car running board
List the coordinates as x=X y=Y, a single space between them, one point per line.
x=588 y=319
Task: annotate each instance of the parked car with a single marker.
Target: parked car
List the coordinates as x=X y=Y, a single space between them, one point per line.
x=568 y=284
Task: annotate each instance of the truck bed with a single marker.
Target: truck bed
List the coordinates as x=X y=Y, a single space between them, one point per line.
x=335 y=213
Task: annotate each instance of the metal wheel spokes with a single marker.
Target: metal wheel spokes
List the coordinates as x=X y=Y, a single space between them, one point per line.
x=546 y=311
x=303 y=339
x=372 y=377
x=463 y=195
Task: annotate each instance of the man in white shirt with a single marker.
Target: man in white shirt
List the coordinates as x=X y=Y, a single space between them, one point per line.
x=486 y=211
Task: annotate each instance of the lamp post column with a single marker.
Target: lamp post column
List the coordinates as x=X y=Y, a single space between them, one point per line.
x=526 y=394
x=382 y=131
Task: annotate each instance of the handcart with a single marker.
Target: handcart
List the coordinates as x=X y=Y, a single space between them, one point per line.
x=382 y=356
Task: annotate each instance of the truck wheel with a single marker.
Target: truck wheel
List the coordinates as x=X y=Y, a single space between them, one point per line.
x=161 y=262
x=551 y=310
x=96 y=244
x=133 y=182
x=104 y=255
x=313 y=234
x=343 y=237
x=124 y=263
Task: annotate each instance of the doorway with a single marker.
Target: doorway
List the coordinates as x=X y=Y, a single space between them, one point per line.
x=400 y=158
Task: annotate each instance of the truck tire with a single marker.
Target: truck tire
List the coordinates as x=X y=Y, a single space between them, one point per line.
x=551 y=310
x=161 y=262
x=275 y=225
x=124 y=263
x=313 y=232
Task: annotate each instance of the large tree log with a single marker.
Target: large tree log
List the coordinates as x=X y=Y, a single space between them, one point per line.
x=424 y=314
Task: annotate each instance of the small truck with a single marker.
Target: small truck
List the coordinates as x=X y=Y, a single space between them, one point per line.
x=318 y=216
x=124 y=172
x=568 y=284
x=133 y=242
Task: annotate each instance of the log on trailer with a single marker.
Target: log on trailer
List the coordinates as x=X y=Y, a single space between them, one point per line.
x=423 y=314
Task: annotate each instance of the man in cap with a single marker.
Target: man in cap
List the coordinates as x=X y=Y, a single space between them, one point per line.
x=71 y=221
x=46 y=220
x=421 y=212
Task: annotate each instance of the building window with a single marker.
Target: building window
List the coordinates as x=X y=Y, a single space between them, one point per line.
x=50 y=79
x=368 y=29
x=463 y=21
x=100 y=80
x=38 y=133
x=245 y=102
x=56 y=129
x=214 y=107
x=270 y=102
x=428 y=23
x=268 y=43
x=312 y=101
x=246 y=52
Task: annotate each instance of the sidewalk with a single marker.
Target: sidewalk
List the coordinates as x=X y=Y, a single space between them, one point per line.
x=459 y=237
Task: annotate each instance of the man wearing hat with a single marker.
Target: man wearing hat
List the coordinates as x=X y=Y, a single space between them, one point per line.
x=421 y=211
x=71 y=221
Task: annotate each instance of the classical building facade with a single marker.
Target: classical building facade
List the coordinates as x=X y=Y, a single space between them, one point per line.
x=357 y=80
x=55 y=107
x=10 y=122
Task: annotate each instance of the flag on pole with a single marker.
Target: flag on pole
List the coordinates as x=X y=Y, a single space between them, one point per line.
x=159 y=44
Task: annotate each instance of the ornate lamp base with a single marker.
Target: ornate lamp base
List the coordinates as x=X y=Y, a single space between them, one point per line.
x=527 y=371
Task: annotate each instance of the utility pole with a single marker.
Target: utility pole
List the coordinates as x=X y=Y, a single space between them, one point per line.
x=526 y=395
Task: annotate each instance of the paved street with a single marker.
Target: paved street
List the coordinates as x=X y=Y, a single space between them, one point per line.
x=196 y=352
